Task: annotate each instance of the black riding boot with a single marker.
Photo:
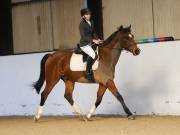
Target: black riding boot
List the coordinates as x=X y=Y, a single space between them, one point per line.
x=89 y=72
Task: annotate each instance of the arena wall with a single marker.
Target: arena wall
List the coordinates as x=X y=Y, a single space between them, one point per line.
x=149 y=83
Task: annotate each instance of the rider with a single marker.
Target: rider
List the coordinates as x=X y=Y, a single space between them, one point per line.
x=88 y=37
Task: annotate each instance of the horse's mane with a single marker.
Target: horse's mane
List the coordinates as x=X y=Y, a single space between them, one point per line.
x=110 y=38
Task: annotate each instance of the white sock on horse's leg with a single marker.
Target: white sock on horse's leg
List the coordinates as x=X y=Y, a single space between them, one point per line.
x=39 y=112
x=76 y=109
x=91 y=112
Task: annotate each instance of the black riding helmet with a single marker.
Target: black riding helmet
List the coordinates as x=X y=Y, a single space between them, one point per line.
x=85 y=11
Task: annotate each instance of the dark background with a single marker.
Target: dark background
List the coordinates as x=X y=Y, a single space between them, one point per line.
x=6 y=46
x=96 y=7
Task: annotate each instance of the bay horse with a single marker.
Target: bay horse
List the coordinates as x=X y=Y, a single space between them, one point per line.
x=56 y=66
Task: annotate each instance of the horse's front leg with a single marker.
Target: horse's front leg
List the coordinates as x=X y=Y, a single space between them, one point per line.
x=111 y=86
x=100 y=94
x=68 y=95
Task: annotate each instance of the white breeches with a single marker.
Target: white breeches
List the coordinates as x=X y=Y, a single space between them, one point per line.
x=89 y=51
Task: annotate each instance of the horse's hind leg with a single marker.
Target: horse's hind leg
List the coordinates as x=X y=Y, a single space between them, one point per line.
x=69 y=87
x=114 y=91
x=50 y=83
x=100 y=94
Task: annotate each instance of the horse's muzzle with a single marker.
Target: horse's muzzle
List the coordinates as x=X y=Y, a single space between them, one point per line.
x=136 y=51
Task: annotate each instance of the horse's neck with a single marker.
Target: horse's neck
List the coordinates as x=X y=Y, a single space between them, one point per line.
x=113 y=52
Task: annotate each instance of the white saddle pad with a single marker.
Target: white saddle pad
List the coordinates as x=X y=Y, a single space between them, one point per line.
x=76 y=63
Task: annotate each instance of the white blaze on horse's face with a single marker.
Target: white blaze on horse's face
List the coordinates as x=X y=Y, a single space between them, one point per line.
x=130 y=35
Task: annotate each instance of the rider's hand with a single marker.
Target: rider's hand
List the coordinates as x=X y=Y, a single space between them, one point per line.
x=100 y=41
x=97 y=42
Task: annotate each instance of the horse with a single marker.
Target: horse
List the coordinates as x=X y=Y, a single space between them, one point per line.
x=56 y=66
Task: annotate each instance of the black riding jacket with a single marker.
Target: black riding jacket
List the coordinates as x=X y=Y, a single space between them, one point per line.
x=87 y=33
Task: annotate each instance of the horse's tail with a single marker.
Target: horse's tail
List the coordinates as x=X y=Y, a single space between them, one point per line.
x=37 y=85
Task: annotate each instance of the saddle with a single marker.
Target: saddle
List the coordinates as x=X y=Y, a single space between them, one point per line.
x=78 y=59
x=79 y=51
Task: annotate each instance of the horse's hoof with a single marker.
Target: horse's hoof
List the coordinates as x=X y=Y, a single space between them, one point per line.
x=36 y=119
x=89 y=119
x=82 y=118
x=131 y=117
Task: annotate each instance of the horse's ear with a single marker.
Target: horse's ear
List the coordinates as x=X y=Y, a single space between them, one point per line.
x=121 y=28
x=129 y=27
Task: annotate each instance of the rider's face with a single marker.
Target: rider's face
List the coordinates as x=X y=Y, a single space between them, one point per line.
x=87 y=16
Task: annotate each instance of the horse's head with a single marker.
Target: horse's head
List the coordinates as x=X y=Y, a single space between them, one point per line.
x=127 y=42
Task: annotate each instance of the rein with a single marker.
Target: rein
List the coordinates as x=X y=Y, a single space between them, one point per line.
x=118 y=49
